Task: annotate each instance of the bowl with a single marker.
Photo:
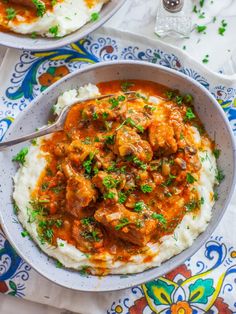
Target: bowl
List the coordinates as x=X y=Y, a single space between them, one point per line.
x=210 y=113
x=19 y=41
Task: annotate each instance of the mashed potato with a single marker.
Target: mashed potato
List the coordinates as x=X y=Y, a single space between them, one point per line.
x=65 y=17
x=169 y=245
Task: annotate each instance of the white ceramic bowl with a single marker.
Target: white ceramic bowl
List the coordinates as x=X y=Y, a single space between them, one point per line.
x=18 y=41
x=209 y=111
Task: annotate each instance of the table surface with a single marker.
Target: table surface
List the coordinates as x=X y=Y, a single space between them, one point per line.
x=138 y=16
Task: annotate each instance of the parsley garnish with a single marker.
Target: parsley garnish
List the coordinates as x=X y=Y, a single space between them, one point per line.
x=169 y=181
x=24 y=233
x=222 y=29
x=139 y=163
x=216 y=196
x=219 y=175
x=11 y=13
x=87 y=164
x=54 y=30
x=139 y=206
x=205 y=59
x=146 y=188
x=189 y=115
x=191 y=206
x=125 y=86
x=110 y=139
x=121 y=197
x=87 y=221
x=201 y=28
x=190 y=178
x=20 y=157
x=109 y=182
x=122 y=223
x=95 y=16
x=159 y=217
x=91 y=235
x=59 y=264
x=216 y=153
x=40 y=7
x=110 y=195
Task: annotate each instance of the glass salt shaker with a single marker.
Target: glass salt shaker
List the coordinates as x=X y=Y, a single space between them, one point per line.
x=174 y=18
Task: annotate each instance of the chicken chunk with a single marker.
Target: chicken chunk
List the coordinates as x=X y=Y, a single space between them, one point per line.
x=79 y=192
x=127 y=225
x=109 y=184
x=139 y=117
x=87 y=234
x=128 y=142
x=98 y=112
x=77 y=151
x=162 y=138
x=104 y=159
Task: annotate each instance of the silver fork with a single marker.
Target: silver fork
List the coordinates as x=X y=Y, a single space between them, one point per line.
x=59 y=122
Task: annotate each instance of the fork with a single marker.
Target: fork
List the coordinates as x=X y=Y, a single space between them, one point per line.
x=59 y=122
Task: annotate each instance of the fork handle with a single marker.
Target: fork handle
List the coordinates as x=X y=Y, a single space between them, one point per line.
x=43 y=131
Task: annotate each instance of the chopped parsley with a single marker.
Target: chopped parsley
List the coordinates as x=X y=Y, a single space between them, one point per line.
x=201 y=28
x=219 y=175
x=110 y=139
x=169 y=181
x=201 y=2
x=44 y=186
x=84 y=270
x=15 y=208
x=109 y=182
x=87 y=164
x=87 y=221
x=25 y=233
x=139 y=206
x=40 y=7
x=222 y=28
x=189 y=115
x=146 y=188
x=54 y=30
x=131 y=122
x=95 y=16
x=114 y=102
x=121 y=197
x=216 y=153
x=125 y=86
x=109 y=195
x=190 y=178
x=59 y=264
x=20 y=157
x=91 y=235
x=215 y=196
x=159 y=217
x=139 y=163
x=122 y=223
x=188 y=98
x=95 y=116
x=205 y=59
x=191 y=206
x=11 y=13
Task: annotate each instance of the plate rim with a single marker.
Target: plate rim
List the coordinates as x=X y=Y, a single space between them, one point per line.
x=64 y=41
